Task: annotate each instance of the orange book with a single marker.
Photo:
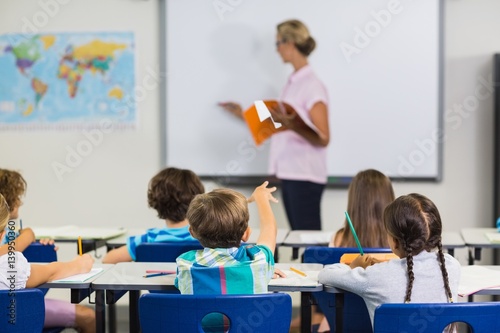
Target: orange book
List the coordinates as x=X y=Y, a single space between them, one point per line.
x=348 y=258
x=260 y=121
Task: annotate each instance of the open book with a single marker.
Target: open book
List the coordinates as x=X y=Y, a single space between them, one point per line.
x=493 y=237
x=81 y=277
x=261 y=124
x=474 y=278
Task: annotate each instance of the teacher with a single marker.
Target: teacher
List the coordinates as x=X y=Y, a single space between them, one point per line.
x=298 y=155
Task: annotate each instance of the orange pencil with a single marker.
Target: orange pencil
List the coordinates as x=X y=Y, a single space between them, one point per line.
x=80 y=245
x=298 y=271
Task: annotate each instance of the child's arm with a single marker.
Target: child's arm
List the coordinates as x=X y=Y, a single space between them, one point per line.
x=58 y=270
x=117 y=255
x=20 y=244
x=25 y=238
x=268 y=230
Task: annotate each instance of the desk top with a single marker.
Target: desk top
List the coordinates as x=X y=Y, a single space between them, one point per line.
x=129 y=276
x=70 y=233
x=122 y=240
x=477 y=237
x=452 y=239
x=77 y=284
x=304 y=238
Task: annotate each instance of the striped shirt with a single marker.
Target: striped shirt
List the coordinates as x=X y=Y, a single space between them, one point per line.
x=159 y=235
x=244 y=270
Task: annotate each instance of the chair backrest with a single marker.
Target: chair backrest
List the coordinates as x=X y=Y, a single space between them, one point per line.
x=355 y=313
x=37 y=252
x=261 y=313
x=23 y=311
x=164 y=252
x=428 y=317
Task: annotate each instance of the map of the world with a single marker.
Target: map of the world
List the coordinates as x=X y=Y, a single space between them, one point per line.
x=66 y=80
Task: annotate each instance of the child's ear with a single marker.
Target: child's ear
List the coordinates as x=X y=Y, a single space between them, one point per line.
x=191 y=232
x=246 y=234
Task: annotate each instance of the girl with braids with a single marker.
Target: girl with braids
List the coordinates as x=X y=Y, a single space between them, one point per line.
x=423 y=274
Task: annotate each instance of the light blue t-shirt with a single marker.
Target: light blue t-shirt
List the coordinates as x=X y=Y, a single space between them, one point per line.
x=159 y=235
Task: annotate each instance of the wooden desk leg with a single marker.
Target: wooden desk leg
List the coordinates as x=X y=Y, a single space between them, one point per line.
x=134 y=310
x=339 y=313
x=305 y=312
x=100 y=312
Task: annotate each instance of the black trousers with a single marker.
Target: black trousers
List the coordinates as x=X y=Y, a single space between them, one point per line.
x=302 y=200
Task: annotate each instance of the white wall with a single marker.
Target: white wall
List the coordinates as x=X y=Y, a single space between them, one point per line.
x=109 y=187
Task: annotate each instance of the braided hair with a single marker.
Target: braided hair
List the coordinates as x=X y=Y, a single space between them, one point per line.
x=415 y=222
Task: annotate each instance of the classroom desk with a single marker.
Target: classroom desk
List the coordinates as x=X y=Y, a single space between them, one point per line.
x=79 y=290
x=452 y=240
x=92 y=238
x=303 y=238
x=129 y=277
x=476 y=240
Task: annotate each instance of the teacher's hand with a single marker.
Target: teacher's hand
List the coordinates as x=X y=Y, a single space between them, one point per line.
x=233 y=108
x=284 y=114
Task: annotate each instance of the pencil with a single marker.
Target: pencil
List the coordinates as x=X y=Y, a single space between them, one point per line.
x=80 y=245
x=354 y=233
x=160 y=271
x=20 y=224
x=157 y=274
x=295 y=270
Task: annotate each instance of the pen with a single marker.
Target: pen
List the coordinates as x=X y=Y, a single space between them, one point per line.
x=157 y=274
x=80 y=245
x=160 y=271
x=295 y=270
x=20 y=224
x=354 y=233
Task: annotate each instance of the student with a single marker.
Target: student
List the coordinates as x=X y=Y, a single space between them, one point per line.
x=169 y=193
x=422 y=275
x=369 y=193
x=298 y=156
x=219 y=220
x=58 y=313
x=32 y=275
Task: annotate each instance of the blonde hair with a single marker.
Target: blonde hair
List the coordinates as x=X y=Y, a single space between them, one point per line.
x=297 y=32
x=4 y=213
x=219 y=218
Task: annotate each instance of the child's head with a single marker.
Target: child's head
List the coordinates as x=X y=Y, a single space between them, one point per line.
x=12 y=187
x=4 y=213
x=413 y=225
x=369 y=193
x=171 y=191
x=219 y=219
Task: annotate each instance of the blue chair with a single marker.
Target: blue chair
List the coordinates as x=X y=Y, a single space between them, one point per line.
x=482 y=317
x=246 y=313
x=355 y=315
x=164 y=252
x=37 y=252
x=28 y=314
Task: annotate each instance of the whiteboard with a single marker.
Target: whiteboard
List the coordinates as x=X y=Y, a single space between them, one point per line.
x=381 y=61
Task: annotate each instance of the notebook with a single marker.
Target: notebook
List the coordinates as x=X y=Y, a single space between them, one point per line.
x=474 y=278
x=81 y=277
x=293 y=279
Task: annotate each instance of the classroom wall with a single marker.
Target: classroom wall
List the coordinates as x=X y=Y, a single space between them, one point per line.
x=109 y=187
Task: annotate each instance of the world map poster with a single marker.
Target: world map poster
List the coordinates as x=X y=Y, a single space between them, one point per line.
x=67 y=80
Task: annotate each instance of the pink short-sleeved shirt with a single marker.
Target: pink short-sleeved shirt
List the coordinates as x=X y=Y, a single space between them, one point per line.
x=291 y=156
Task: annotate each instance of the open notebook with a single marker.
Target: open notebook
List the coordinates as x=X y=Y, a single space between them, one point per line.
x=81 y=277
x=474 y=278
x=73 y=232
x=493 y=237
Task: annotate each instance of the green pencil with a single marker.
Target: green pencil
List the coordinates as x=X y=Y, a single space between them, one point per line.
x=354 y=233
